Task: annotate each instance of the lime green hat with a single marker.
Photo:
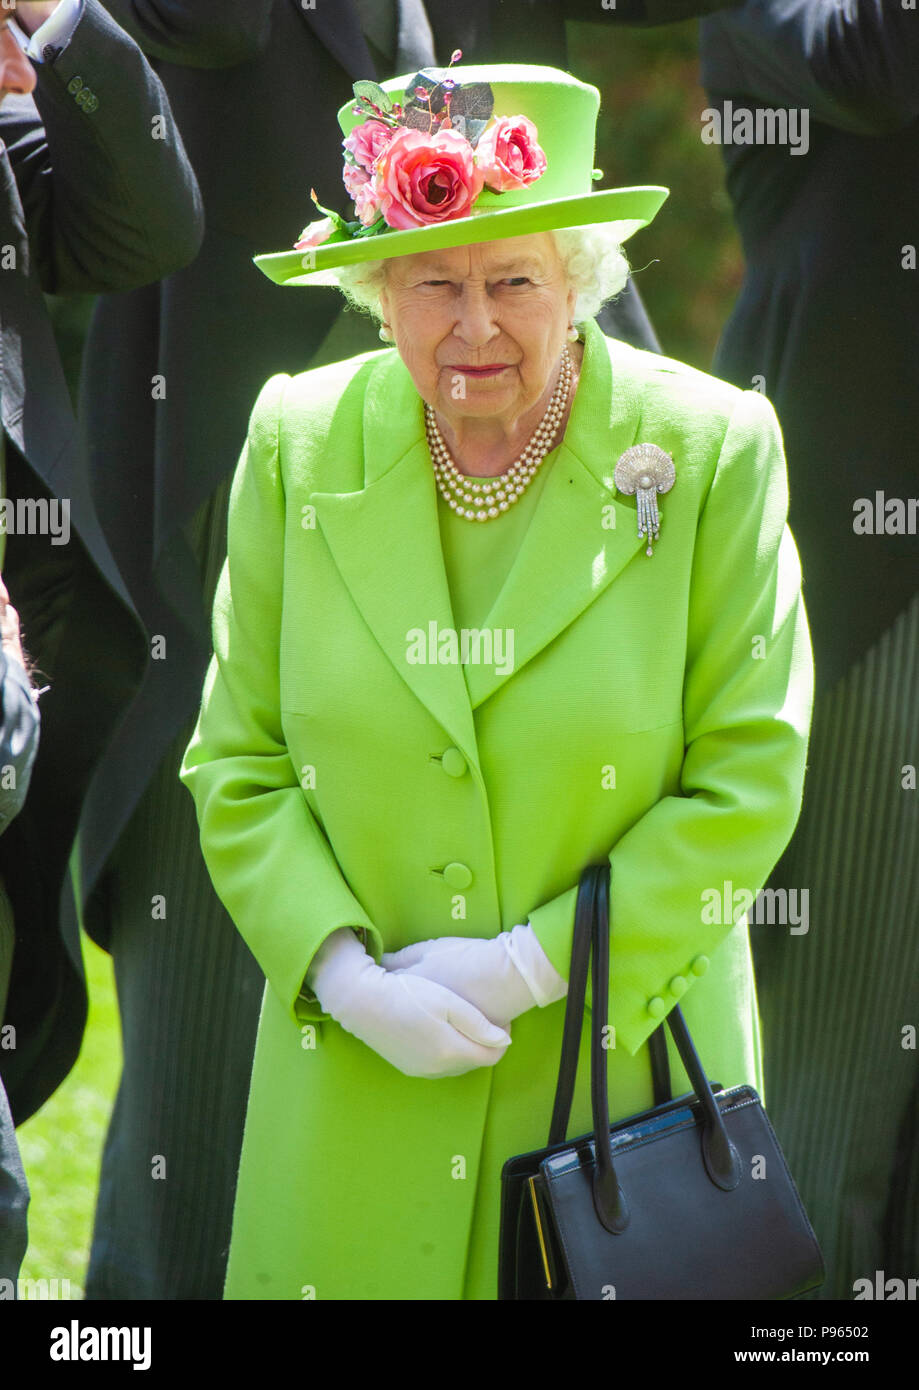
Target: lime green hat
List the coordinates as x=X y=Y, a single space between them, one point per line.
x=542 y=195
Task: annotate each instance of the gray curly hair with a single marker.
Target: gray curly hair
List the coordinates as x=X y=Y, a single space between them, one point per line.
x=592 y=258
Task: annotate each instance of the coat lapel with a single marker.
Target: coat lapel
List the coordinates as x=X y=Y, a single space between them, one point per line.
x=386 y=543
x=339 y=28
x=40 y=422
x=385 y=539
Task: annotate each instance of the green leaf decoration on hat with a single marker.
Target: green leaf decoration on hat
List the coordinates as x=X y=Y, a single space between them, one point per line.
x=373 y=92
x=341 y=224
x=378 y=226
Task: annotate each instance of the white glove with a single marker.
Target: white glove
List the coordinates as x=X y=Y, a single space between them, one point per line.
x=504 y=976
x=420 y=1027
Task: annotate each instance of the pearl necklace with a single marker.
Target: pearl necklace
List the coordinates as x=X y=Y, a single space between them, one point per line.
x=489 y=497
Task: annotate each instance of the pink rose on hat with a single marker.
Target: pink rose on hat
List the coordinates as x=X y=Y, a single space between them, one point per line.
x=363 y=193
x=366 y=142
x=422 y=178
x=315 y=234
x=509 y=154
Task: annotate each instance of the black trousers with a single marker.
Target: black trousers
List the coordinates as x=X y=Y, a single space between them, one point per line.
x=14 y=1201
x=189 y=994
x=839 y=1003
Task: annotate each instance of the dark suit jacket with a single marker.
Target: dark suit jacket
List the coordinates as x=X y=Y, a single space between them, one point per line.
x=90 y=201
x=828 y=312
x=255 y=86
x=18 y=746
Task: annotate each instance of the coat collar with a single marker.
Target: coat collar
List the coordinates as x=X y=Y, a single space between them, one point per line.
x=385 y=539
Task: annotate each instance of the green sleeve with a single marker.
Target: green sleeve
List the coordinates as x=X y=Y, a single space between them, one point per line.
x=270 y=862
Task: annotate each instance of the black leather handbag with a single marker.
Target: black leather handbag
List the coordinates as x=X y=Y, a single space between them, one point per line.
x=689 y=1200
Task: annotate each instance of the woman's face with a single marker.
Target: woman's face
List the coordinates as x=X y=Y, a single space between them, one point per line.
x=480 y=328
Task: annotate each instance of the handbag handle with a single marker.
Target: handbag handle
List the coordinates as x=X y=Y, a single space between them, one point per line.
x=591 y=926
x=574 y=1018
x=574 y=1010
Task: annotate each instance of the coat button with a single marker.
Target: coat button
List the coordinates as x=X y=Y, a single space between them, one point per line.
x=453 y=762
x=457 y=875
x=699 y=965
x=656 y=1007
x=678 y=986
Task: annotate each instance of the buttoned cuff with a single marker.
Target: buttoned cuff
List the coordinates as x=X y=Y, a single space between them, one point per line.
x=54 y=35
x=639 y=1013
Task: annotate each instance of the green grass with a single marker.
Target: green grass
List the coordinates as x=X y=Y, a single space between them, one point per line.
x=61 y=1146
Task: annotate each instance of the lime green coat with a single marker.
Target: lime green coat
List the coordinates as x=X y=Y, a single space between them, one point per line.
x=657 y=712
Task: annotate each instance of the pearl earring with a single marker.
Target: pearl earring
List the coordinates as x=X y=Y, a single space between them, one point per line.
x=573 y=333
x=386 y=333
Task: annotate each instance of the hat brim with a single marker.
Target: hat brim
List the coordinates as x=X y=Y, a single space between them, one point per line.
x=626 y=209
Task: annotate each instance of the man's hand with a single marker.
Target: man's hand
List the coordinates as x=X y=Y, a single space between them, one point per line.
x=31 y=14
x=9 y=626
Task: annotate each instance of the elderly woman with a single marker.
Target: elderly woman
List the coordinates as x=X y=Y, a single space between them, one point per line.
x=459 y=655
